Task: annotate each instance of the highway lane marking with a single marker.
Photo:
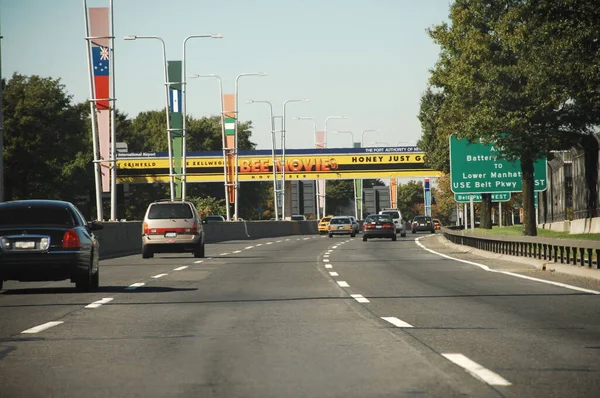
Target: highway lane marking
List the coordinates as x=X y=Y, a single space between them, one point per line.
x=287 y=240
x=396 y=322
x=248 y=247
x=487 y=268
x=223 y=254
x=180 y=268
x=343 y=283
x=360 y=298
x=334 y=247
x=158 y=276
x=326 y=255
x=135 y=286
x=237 y=251
x=306 y=238
x=325 y=260
x=279 y=241
x=259 y=244
x=198 y=262
x=44 y=326
x=328 y=266
x=333 y=273
x=269 y=243
x=98 y=303
x=477 y=371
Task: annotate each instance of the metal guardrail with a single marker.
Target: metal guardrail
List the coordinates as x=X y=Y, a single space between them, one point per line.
x=565 y=251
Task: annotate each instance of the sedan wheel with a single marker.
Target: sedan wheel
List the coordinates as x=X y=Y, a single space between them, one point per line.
x=96 y=280
x=199 y=252
x=331 y=235
x=84 y=282
x=364 y=238
x=394 y=238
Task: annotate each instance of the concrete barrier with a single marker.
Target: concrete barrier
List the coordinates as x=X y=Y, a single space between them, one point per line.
x=581 y=226
x=595 y=225
x=124 y=238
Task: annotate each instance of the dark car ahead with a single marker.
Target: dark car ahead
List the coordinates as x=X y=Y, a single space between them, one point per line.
x=379 y=226
x=48 y=240
x=423 y=223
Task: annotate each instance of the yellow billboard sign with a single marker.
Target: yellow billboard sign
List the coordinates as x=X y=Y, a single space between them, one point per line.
x=324 y=164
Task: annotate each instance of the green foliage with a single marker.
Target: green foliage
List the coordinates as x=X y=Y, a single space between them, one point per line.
x=207 y=206
x=46 y=145
x=411 y=199
x=434 y=140
x=339 y=194
x=520 y=74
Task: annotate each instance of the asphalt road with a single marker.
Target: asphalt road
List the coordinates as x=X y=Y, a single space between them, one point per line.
x=304 y=317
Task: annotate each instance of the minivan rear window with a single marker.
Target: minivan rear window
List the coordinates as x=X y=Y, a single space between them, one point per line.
x=170 y=211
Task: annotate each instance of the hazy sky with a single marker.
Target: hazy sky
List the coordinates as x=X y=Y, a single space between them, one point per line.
x=367 y=60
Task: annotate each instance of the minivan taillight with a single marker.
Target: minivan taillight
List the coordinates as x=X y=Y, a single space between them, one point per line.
x=71 y=240
x=193 y=229
x=146 y=229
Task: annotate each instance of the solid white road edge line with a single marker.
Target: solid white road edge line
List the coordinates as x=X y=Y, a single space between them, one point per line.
x=477 y=371
x=98 y=303
x=486 y=268
x=43 y=326
x=135 y=286
x=343 y=283
x=333 y=273
x=159 y=276
x=180 y=268
x=396 y=322
x=360 y=298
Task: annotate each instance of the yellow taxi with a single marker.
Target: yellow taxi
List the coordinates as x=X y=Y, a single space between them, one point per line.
x=324 y=224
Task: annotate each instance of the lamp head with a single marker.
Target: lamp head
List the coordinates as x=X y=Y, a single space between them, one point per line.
x=130 y=37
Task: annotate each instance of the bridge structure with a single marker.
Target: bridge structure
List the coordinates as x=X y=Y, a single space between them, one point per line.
x=265 y=165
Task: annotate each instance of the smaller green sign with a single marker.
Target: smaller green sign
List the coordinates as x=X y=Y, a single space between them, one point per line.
x=496 y=197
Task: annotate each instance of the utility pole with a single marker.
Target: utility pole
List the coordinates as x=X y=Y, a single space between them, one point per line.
x=1 y=127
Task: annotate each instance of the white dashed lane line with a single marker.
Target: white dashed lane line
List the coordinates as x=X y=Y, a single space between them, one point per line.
x=135 y=286
x=325 y=260
x=98 y=303
x=158 y=276
x=343 y=284
x=198 y=262
x=223 y=254
x=476 y=370
x=248 y=247
x=279 y=241
x=41 y=327
x=328 y=266
x=396 y=322
x=180 y=268
x=360 y=298
x=334 y=274
x=237 y=251
x=269 y=243
x=258 y=244
x=334 y=247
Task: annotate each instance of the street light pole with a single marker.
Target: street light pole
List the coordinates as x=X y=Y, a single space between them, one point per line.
x=273 y=144
x=227 y=210
x=164 y=56
x=362 y=137
x=283 y=152
x=351 y=136
x=354 y=180
x=325 y=185
x=318 y=210
x=236 y=111
x=183 y=110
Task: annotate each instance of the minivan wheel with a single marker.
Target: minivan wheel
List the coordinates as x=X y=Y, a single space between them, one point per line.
x=199 y=252
x=352 y=235
x=147 y=252
x=403 y=234
x=1 y=283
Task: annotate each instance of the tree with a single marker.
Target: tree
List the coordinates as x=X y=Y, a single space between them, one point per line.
x=411 y=199
x=522 y=75
x=434 y=140
x=445 y=205
x=47 y=151
x=339 y=195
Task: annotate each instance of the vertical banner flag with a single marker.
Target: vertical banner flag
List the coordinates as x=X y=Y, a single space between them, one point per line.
x=229 y=117
x=427 y=197
x=98 y=18
x=176 y=116
x=320 y=144
x=394 y=193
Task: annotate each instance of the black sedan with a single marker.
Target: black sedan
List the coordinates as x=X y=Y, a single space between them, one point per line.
x=48 y=240
x=379 y=226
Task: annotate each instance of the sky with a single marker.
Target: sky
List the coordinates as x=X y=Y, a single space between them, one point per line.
x=366 y=60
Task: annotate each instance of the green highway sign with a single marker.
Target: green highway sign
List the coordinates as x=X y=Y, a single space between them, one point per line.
x=496 y=197
x=478 y=168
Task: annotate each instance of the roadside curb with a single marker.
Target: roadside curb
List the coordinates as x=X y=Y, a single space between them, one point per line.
x=539 y=264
